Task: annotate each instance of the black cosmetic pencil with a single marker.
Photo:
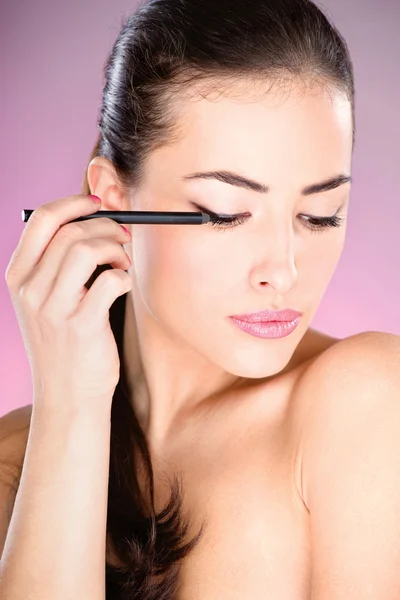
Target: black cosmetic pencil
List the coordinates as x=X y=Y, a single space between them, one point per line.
x=138 y=216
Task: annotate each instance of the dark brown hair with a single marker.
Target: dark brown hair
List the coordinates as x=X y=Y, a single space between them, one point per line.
x=163 y=49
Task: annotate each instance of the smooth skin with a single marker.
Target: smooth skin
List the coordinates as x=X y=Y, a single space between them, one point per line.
x=65 y=327
x=188 y=280
x=75 y=368
x=350 y=452
x=302 y=411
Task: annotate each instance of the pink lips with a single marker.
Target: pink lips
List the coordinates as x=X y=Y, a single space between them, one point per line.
x=267 y=323
x=264 y=316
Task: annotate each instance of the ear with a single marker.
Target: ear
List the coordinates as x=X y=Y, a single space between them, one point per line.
x=104 y=182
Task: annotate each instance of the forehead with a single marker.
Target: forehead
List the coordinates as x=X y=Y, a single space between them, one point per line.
x=277 y=131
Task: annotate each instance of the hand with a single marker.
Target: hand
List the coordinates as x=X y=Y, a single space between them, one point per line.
x=65 y=327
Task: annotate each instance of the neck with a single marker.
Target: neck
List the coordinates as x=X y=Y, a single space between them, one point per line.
x=170 y=383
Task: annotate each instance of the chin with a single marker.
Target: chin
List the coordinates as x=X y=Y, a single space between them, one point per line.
x=259 y=366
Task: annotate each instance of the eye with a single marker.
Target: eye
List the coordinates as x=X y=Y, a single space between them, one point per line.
x=227 y=221
x=314 y=223
x=321 y=223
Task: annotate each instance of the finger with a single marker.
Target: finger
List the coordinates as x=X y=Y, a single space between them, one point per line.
x=78 y=265
x=43 y=224
x=95 y=306
x=44 y=275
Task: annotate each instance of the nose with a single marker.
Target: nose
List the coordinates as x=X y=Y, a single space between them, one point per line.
x=277 y=266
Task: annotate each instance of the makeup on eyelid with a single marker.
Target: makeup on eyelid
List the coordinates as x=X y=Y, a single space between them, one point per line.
x=226 y=221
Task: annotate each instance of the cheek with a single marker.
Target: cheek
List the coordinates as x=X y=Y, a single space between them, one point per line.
x=318 y=264
x=176 y=267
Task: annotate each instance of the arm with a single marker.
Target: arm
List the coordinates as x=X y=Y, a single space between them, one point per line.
x=55 y=545
x=351 y=469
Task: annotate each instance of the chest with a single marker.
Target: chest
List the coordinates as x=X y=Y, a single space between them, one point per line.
x=256 y=540
x=239 y=483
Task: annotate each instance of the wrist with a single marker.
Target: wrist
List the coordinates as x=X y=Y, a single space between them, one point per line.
x=71 y=408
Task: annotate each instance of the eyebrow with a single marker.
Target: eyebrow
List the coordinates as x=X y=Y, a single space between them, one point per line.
x=240 y=181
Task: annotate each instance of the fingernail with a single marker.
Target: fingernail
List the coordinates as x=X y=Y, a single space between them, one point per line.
x=95 y=199
x=126 y=230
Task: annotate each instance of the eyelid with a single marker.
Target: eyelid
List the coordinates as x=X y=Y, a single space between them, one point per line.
x=222 y=216
x=225 y=217
x=232 y=217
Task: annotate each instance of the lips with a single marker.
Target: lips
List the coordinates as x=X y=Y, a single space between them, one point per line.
x=266 y=316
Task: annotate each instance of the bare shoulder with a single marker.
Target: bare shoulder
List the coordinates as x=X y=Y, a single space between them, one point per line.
x=350 y=379
x=14 y=431
x=15 y=422
x=352 y=356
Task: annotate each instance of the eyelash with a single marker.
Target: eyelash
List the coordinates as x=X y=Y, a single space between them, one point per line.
x=318 y=224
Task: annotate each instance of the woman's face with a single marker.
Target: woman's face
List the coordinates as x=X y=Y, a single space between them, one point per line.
x=191 y=278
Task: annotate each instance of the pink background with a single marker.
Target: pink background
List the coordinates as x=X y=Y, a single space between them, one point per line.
x=52 y=55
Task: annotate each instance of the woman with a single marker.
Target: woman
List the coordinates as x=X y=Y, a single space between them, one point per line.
x=258 y=442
